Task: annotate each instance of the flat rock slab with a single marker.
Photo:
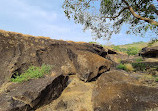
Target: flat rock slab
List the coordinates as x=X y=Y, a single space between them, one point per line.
x=116 y=91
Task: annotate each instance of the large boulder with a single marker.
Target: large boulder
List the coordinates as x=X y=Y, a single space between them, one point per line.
x=31 y=94
x=19 y=51
x=150 y=52
x=116 y=91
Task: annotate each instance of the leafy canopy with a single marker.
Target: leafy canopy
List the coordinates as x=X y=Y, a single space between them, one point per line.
x=105 y=17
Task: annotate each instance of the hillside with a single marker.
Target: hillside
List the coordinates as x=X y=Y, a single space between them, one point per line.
x=43 y=74
x=139 y=45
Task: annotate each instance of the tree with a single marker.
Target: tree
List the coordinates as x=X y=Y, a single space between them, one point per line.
x=105 y=17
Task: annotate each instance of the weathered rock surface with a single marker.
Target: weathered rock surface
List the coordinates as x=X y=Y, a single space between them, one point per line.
x=32 y=94
x=112 y=91
x=116 y=91
x=150 y=52
x=115 y=57
x=76 y=97
x=18 y=52
x=66 y=88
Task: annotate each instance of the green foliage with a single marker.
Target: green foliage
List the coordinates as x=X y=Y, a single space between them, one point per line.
x=121 y=66
x=132 y=51
x=32 y=72
x=139 y=59
x=93 y=43
x=126 y=67
x=128 y=50
x=156 y=80
x=106 y=17
x=118 y=48
x=139 y=66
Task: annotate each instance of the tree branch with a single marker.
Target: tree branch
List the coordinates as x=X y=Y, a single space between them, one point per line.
x=152 y=22
x=118 y=14
x=87 y=4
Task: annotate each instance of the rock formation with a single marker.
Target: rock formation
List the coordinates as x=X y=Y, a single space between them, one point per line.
x=112 y=91
x=80 y=79
x=18 y=52
x=150 y=52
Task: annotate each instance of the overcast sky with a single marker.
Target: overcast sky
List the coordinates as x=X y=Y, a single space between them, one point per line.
x=46 y=18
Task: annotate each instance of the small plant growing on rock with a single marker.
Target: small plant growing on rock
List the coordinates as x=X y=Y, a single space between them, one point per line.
x=32 y=72
x=121 y=66
x=127 y=67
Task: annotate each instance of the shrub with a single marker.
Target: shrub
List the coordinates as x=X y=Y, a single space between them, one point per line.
x=129 y=67
x=32 y=72
x=116 y=48
x=132 y=50
x=139 y=66
x=121 y=66
x=156 y=80
x=138 y=59
x=93 y=43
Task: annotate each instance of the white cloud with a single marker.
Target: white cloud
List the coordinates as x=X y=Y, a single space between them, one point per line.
x=20 y=9
x=30 y=17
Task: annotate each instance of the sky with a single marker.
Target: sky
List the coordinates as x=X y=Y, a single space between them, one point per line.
x=47 y=18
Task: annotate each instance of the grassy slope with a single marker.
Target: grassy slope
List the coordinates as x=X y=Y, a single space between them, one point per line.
x=139 y=45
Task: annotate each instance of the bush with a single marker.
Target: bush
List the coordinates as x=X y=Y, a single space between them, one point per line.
x=93 y=43
x=156 y=80
x=139 y=66
x=116 y=48
x=139 y=59
x=127 y=67
x=132 y=51
x=121 y=66
x=32 y=72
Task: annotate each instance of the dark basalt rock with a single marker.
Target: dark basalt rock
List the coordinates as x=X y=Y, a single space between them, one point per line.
x=32 y=94
x=19 y=51
x=149 y=52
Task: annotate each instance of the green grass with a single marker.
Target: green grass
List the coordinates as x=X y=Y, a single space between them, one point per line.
x=156 y=80
x=139 y=66
x=126 y=67
x=121 y=66
x=139 y=59
x=32 y=72
x=130 y=49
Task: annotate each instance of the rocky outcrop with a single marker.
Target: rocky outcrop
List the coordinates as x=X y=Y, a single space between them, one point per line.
x=115 y=57
x=149 y=52
x=112 y=91
x=116 y=91
x=32 y=94
x=19 y=51
x=80 y=79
